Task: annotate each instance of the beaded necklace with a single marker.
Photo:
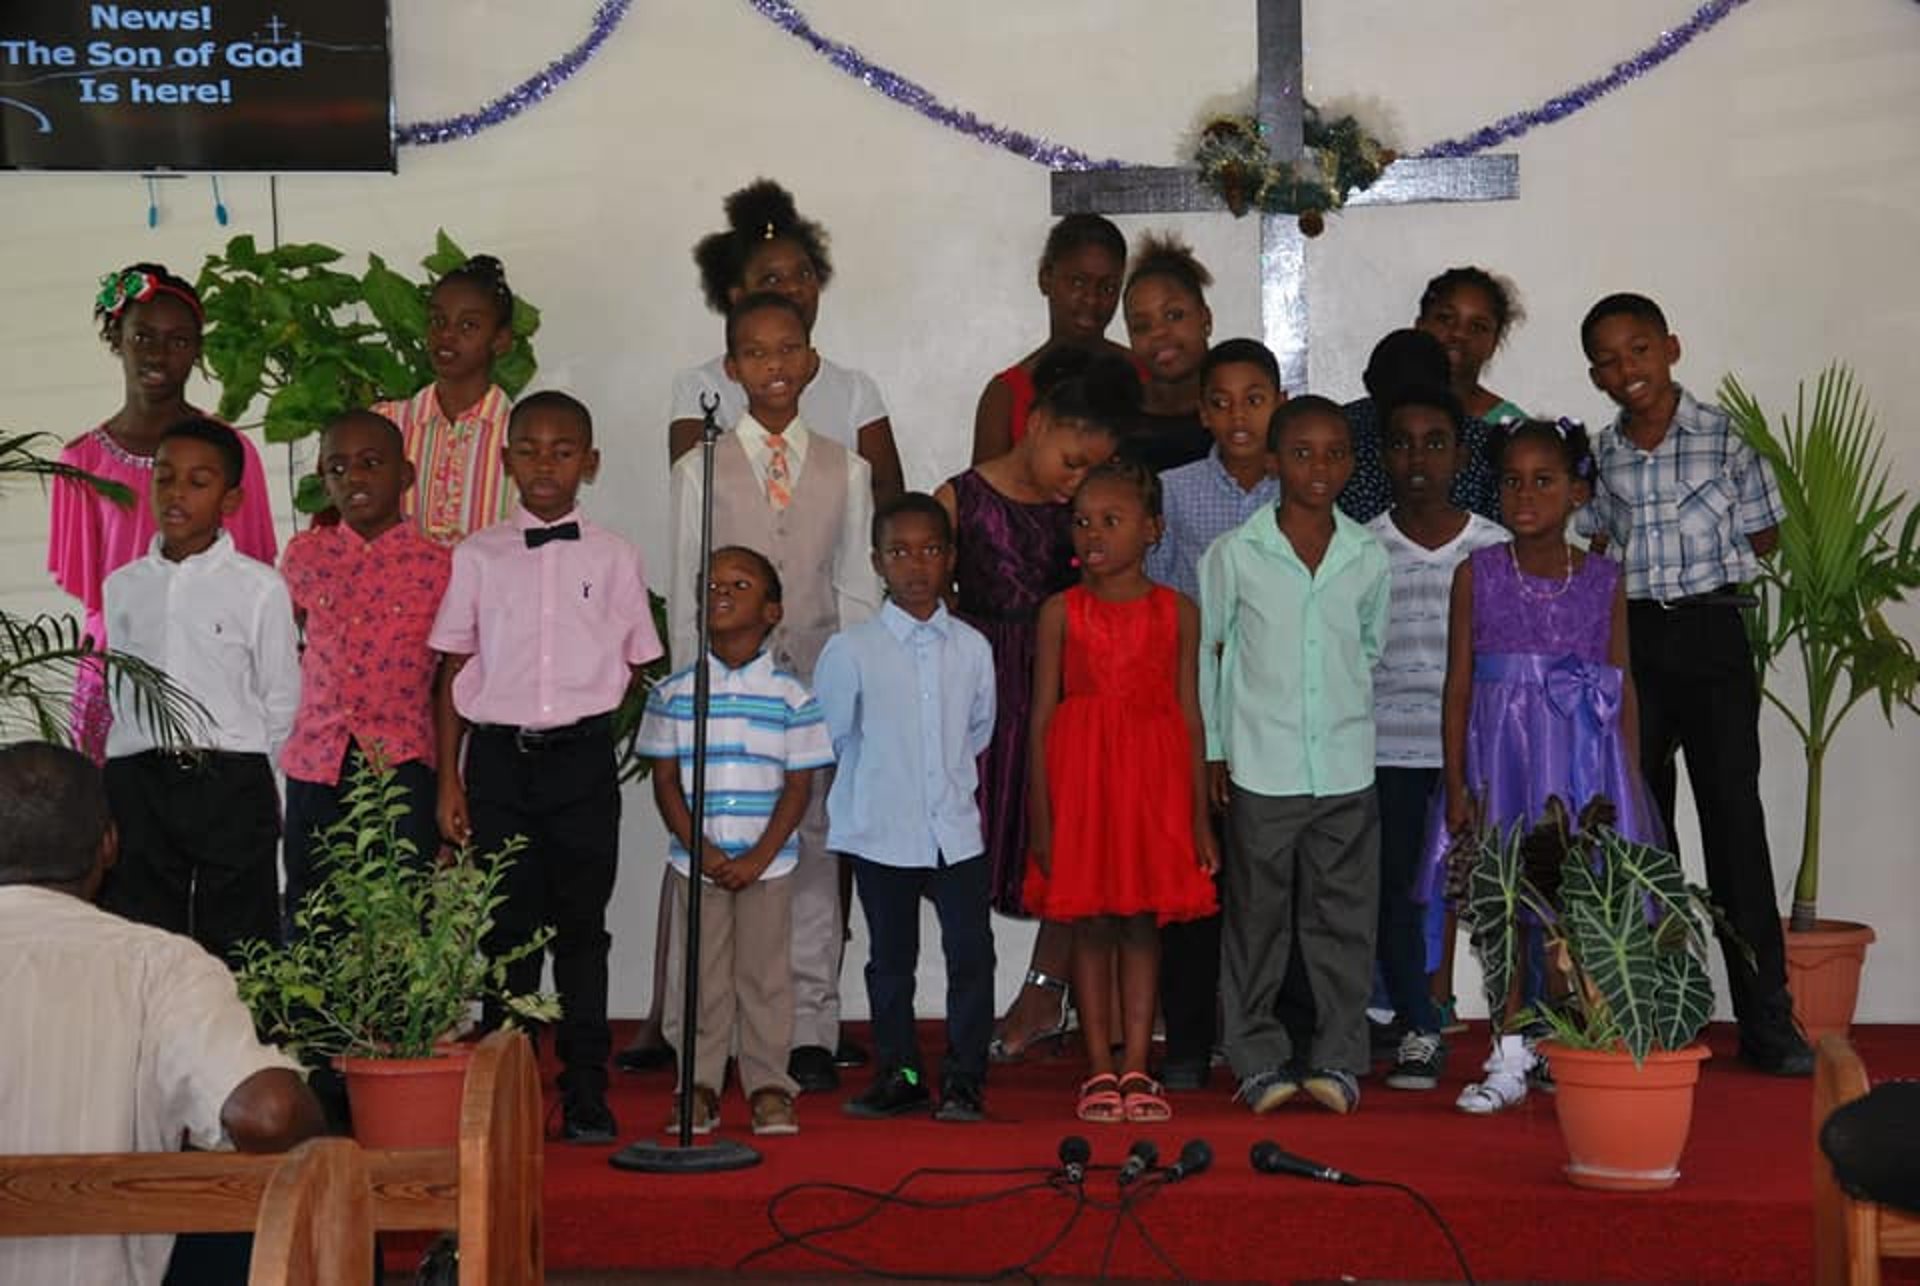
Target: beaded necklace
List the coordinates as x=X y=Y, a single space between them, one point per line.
x=1566 y=582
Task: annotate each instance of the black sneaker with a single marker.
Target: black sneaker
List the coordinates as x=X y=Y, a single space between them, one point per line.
x=1421 y=1059
x=960 y=1102
x=1777 y=1050
x=893 y=1093
x=1385 y=1037
x=645 y=1058
x=1185 y=1073
x=849 y=1053
x=586 y=1118
x=811 y=1067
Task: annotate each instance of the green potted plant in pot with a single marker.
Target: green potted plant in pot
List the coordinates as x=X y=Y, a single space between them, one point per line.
x=1847 y=552
x=386 y=967
x=1627 y=940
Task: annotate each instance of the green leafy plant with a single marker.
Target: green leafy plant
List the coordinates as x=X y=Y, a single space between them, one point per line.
x=1824 y=594
x=41 y=656
x=316 y=341
x=1622 y=925
x=388 y=956
x=631 y=764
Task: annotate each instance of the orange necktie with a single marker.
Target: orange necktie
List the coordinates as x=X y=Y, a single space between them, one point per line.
x=779 y=480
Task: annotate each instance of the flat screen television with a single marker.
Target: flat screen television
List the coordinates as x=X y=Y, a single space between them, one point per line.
x=231 y=85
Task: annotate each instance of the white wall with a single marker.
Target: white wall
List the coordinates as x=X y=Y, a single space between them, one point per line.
x=1764 y=186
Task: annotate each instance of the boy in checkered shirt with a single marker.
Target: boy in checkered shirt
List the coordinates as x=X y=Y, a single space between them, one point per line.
x=1689 y=509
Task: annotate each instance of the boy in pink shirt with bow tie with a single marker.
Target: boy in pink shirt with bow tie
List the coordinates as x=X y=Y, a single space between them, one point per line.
x=544 y=621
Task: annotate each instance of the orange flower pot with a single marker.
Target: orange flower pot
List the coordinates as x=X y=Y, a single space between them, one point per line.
x=406 y=1102
x=1823 y=972
x=1624 y=1126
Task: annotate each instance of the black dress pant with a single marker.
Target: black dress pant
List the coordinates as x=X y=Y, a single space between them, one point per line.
x=560 y=791
x=890 y=897
x=313 y=806
x=1699 y=695
x=199 y=843
x=1190 y=982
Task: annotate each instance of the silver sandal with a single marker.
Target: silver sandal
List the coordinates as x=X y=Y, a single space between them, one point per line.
x=1001 y=1050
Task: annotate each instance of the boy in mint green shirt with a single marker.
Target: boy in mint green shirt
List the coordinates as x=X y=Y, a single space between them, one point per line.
x=1293 y=610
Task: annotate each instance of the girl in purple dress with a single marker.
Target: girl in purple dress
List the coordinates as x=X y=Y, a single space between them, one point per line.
x=1012 y=515
x=1538 y=700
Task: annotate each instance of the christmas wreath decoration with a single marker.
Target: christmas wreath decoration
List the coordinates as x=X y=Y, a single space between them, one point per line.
x=1340 y=158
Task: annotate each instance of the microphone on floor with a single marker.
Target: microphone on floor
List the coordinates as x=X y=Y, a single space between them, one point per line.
x=1195 y=1155
x=1269 y=1157
x=1074 y=1155
x=1140 y=1159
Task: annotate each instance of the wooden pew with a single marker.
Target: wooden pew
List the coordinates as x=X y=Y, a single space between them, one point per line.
x=316 y=1219
x=487 y=1189
x=1849 y=1237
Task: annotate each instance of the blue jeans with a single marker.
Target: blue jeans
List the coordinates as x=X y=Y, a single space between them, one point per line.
x=1401 y=946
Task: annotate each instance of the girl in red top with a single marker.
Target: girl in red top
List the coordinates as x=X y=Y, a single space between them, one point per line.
x=1121 y=841
x=1080 y=272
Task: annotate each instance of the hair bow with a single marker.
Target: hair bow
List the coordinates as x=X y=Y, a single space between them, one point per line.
x=118 y=289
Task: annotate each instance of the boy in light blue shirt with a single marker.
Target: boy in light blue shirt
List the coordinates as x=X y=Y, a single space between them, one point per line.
x=909 y=701
x=1293 y=611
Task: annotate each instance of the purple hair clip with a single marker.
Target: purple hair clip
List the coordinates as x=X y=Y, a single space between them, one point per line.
x=1582 y=467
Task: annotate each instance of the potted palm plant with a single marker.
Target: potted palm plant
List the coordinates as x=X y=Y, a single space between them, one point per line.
x=40 y=656
x=1846 y=553
x=386 y=966
x=1628 y=938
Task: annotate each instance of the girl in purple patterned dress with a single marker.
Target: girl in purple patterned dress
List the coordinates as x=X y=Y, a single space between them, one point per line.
x=1538 y=700
x=1011 y=515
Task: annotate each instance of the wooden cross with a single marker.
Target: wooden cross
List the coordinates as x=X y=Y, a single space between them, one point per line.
x=1283 y=260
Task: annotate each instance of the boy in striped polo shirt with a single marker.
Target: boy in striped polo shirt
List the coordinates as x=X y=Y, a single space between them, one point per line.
x=765 y=736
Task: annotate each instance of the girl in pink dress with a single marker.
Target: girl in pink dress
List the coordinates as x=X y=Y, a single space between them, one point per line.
x=150 y=320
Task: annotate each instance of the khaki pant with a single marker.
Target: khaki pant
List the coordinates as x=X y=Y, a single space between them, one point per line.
x=819 y=935
x=746 y=979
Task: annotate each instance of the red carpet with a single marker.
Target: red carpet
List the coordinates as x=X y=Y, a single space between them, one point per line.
x=1739 y=1214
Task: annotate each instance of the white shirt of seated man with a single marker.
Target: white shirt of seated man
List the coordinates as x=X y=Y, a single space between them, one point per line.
x=114 y=1036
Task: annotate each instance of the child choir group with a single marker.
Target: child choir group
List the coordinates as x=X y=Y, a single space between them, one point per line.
x=1203 y=677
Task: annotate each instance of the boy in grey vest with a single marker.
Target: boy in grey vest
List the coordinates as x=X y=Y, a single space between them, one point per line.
x=806 y=501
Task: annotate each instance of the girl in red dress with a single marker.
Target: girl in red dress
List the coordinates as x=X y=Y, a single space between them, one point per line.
x=1121 y=842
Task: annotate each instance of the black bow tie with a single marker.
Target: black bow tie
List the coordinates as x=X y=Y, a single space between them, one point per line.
x=538 y=536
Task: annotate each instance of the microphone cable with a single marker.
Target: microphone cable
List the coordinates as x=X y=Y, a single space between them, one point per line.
x=1037 y=1179
x=1267 y=1157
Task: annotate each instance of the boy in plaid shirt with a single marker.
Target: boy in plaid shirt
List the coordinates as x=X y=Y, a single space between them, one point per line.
x=1689 y=510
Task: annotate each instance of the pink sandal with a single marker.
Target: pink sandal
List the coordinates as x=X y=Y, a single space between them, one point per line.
x=1143 y=1099
x=1100 y=1100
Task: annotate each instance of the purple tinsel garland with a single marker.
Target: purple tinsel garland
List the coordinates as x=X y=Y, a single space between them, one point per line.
x=527 y=93
x=1056 y=156
x=1561 y=106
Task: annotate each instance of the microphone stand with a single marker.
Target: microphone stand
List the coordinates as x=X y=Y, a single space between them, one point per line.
x=686 y=1156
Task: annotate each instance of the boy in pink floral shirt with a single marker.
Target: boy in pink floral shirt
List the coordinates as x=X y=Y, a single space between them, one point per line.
x=364 y=594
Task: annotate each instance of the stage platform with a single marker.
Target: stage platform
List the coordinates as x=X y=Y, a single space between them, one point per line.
x=1740 y=1213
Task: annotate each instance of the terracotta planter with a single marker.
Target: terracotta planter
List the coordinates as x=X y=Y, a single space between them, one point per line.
x=1823 y=972
x=406 y=1102
x=1624 y=1126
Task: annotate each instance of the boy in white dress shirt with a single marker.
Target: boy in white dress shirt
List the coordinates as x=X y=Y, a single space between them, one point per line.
x=200 y=827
